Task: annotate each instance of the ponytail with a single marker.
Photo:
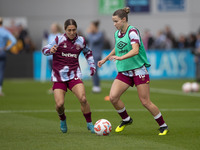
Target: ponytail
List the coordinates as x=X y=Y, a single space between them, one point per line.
x=121 y=13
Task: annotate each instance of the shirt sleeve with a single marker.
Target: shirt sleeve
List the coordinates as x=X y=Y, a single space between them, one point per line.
x=46 y=49
x=88 y=56
x=12 y=39
x=134 y=36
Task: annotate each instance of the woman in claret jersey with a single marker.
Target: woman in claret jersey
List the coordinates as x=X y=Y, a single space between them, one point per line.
x=66 y=72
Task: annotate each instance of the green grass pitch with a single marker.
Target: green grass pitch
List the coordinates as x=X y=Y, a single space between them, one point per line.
x=28 y=120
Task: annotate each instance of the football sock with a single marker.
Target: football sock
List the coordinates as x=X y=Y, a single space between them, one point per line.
x=62 y=116
x=0 y=89
x=159 y=120
x=127 y=119
x=122 y=112
x=88 y=117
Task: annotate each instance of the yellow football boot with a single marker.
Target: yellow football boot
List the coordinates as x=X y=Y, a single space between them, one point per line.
x=163 y=130
x=123 y=125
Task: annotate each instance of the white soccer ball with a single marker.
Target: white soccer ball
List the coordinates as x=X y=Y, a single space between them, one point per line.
x=195 y=87
x=102 y=127
x=187 y=87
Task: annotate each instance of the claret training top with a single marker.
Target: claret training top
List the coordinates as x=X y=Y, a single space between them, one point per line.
x=65 y=59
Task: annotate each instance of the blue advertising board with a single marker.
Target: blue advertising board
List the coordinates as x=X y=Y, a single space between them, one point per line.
x=173 y=64
x=138 y=6
x=171 y=5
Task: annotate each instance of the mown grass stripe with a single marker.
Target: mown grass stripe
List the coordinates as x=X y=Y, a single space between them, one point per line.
x=97 y=110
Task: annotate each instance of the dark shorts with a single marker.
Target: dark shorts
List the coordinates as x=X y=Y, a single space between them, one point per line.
x=68 y=84
x=139 y=77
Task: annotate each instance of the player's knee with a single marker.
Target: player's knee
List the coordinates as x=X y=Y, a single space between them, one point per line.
x=146 y=103
x=113 y=99
x=83 y=100
x=59 y=104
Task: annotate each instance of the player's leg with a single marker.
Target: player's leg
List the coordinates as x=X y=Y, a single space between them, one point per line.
x=59 y=96
x=95 y=79
x=50 y=62
x=79 y=91
x=117 y=89
x=144 y=96
x=2 y=69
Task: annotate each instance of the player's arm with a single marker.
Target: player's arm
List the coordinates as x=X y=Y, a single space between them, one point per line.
x=135 y=43
x=90 y=59
x=131 y=53
x=50 y=48
x=101 y=62
x=13 y=41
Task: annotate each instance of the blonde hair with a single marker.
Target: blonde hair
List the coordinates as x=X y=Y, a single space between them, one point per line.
x=56 y=27
x=59 y=28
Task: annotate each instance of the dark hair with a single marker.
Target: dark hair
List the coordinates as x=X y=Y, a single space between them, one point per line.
x=1 y=21
x=121 y=13
x=69 y=22
x=96 y=23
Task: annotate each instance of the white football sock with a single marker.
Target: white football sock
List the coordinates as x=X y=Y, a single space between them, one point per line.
x=127 y=119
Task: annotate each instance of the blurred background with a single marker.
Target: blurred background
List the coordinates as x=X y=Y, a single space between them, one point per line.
x=170 y=30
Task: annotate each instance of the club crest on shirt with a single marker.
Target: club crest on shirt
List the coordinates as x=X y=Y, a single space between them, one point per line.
x=65 y=46
x=78 y=47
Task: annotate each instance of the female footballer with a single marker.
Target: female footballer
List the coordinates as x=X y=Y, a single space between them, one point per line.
x=131 y=62
x=66 y=72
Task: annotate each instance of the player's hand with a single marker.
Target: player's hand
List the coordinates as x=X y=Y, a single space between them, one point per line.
x=113 y=58
x=100 y=63
x=92 y=71
x=53 y=49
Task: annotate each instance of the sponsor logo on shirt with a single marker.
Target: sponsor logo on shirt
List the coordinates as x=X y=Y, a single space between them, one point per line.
x=69 y=55
x=123 y=51
x=121 y=45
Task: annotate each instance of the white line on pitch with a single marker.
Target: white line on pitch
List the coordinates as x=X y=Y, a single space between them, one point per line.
x=156 y=90
x=98 y=110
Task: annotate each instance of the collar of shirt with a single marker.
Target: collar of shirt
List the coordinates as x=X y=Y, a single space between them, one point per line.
x=68 y=39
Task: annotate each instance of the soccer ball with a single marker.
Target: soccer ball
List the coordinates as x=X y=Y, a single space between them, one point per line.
x=187 y=87
x=102 y=127
x=195 y=87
